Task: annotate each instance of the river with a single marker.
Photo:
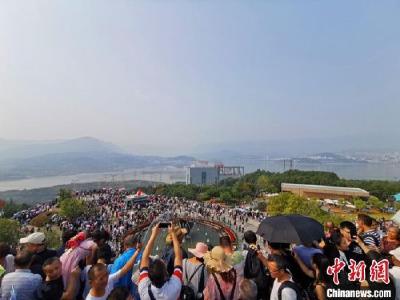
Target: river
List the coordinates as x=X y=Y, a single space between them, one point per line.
x=381 y=171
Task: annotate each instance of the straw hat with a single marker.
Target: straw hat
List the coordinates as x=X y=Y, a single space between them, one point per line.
x=200 y=250
x=180 y=233
x=217 y=260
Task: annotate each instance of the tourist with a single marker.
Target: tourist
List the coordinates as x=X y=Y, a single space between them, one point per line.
x=337 y=248
x=223 y=281
x=395 y=270
x=130 y=246
x=349 y=232
x=329 y=229
x=236 y=257
x=283 y=287
x=248 y=290
x=168 y=254
x=319 y=265
x=22 y=283
x=35 y=243
x=120 y=293
x=283 y=249
x=65 y=237
x=379 y=284
x=103 y=257
x=253 y=267
x=194 y=271
x=154 y=281
x=100 y=237
x=391 y=241
x=6 y=260
x=52 y=288
x=78 y=249
x=369 y=236
x=102 y=283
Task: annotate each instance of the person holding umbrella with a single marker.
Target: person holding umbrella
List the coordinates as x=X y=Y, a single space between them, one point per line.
x=282 y=231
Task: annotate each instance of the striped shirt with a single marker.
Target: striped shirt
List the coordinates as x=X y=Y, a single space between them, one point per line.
x=169 y=291
x=371 y=238
x=24 y=283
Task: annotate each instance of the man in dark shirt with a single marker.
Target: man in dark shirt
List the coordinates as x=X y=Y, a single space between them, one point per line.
x=35 y=243
x=52 y=288
x=349 y=231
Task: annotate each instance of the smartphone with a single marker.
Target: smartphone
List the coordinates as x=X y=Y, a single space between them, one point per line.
x=164 y=225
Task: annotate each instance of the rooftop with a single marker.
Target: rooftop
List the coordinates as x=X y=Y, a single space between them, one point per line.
x=324 y=188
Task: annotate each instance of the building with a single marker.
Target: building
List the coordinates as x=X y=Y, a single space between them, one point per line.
x=205 y=175
x=324 y=191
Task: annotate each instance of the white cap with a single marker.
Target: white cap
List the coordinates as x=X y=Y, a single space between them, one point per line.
x=37 y=238
x=395 y=253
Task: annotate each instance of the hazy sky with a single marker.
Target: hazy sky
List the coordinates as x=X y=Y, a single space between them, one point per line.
x=170 y=74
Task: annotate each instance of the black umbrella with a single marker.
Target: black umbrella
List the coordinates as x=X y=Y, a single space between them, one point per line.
x=296 y=229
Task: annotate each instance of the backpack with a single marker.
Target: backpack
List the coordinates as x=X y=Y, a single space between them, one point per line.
x=255 y=270
x=187 y=293
x=220 y=290
x=301 y=294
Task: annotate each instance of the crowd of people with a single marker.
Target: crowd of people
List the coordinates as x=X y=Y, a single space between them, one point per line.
x=104 y=256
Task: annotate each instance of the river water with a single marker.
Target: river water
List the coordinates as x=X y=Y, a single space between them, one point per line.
x=382 y=171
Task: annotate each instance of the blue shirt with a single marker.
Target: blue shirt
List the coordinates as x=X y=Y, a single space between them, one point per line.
x=24 y=283
x=126 y=280
x=306 y=254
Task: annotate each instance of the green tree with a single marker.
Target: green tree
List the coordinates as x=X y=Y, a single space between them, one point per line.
x=243 y=188
x=11 y=208
x=359 y=204
x=342 y=202
x=9 y=231
x=203 y=197
x=53 y=239
x=286 y=203
x=261 y=205
x=263 y=184
x=247 y=199
x=72 y=208
x=64 y=194
x=226 y=197
x=277 y=204
x=375 y=202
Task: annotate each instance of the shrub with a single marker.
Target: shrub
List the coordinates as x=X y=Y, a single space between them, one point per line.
x=9 y=231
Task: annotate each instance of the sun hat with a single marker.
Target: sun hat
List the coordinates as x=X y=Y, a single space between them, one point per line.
x=180 y=233
x=395 y=253
x=200 y=250
x=36 y=238
x=217 y=260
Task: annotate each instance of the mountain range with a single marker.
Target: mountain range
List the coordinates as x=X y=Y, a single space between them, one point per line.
x=30 y=159
x=27 y=159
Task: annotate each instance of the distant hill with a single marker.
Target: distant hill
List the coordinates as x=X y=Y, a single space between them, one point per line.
x=10 y=149
x=27 y=159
